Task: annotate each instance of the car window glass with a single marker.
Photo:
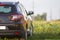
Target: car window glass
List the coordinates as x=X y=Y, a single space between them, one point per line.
x=8 y=9
x=19 y=9
x=23 y=11
x=5 y=10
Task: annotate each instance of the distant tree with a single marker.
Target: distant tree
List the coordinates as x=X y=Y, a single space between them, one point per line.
x=38 y=17
x=43 y=17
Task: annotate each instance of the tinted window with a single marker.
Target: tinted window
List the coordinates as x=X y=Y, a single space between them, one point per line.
x=8 y=9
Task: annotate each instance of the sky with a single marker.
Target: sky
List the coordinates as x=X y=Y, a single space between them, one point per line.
x=51 y=7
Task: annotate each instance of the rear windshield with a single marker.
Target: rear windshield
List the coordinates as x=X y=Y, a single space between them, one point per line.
x=8 y=9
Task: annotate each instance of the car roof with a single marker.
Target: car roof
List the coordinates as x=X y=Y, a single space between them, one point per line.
x=12 y=3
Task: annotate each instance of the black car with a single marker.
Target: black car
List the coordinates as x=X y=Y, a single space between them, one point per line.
x=14 y=20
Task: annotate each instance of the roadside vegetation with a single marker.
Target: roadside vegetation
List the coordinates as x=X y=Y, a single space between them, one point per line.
x=46 y=30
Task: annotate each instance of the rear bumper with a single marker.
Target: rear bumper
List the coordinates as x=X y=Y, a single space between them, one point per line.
x=5 y=24
x=17 y=33
x=12 y=29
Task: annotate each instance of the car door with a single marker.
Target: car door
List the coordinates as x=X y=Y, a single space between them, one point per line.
x=27 y=18
x=24 y=13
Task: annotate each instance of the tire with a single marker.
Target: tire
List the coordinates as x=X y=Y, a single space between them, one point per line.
x=24 y=37
x=20 y=39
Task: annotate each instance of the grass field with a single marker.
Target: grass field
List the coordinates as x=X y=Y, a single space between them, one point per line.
x=45 y=30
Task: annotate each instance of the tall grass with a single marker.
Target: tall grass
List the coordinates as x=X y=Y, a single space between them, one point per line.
x=46 y=30
x=46 y=27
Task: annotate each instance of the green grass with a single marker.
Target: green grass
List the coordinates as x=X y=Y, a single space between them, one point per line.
x=46 y=30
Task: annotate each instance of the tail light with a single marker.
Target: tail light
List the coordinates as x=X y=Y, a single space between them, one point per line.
x=1 y=4
x=15 y=17
x=16 y=33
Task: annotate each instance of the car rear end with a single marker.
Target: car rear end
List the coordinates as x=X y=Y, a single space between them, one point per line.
x=10 y=20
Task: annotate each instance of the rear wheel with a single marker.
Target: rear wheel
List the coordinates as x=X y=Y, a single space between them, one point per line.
x=20 y=38
x=25 y=34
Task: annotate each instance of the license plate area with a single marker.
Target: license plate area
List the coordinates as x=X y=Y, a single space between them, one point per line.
x=2 y=27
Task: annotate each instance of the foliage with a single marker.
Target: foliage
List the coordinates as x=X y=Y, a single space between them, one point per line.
x=41 y=17
x=46 y=30
x=38 y=17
